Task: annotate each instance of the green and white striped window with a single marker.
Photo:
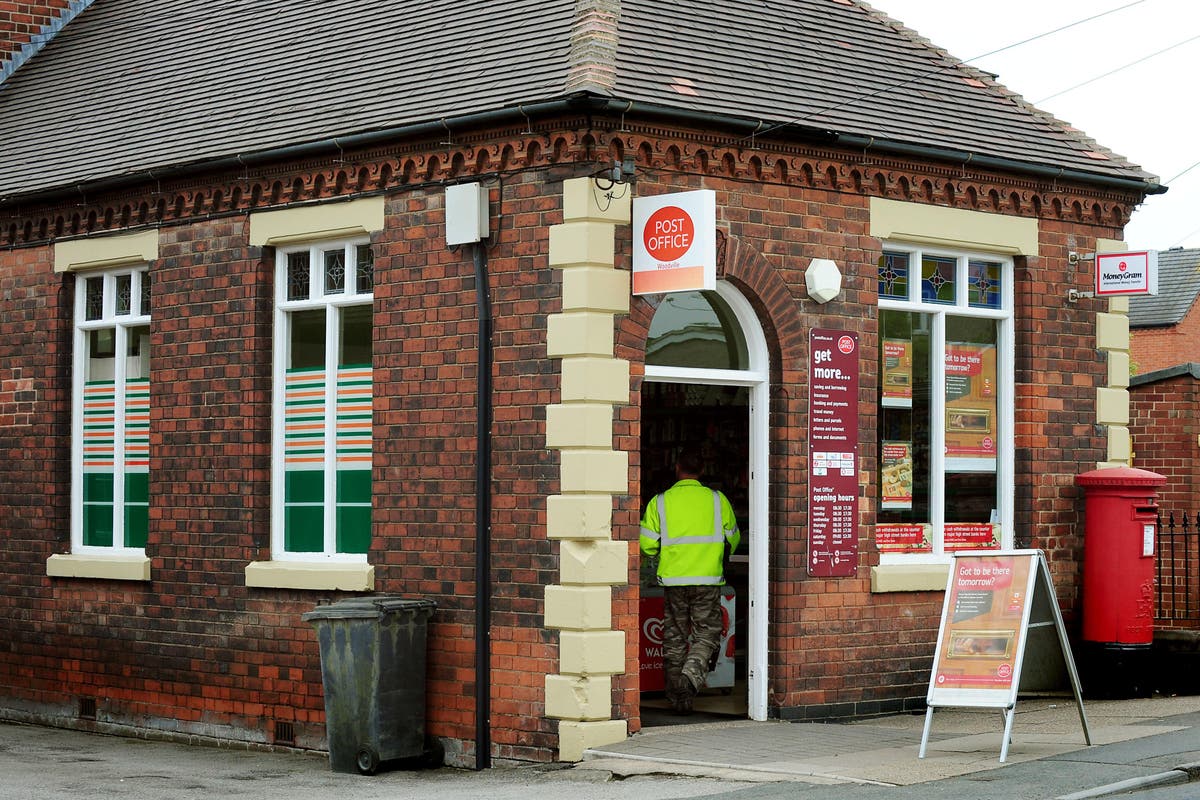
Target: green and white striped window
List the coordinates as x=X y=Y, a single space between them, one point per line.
x=323 y=378
x=111 y=420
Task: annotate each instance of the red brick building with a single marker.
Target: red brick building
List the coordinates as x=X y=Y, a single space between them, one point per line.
x=1164 y=346
x=241 y=371
x=1165 y=328
x=1164 y=408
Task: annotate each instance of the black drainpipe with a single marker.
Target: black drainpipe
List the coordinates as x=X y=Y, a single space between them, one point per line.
x=483 y=517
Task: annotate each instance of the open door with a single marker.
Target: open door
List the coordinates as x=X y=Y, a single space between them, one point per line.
x=706 y=387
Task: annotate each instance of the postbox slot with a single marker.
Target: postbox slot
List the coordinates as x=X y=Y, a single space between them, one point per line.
x=1145 y=510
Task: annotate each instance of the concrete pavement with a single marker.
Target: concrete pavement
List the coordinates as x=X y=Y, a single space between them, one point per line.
x=883 y=752
x=1138 y=743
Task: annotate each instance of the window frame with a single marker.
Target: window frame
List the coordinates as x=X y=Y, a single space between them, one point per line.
x=120 y=324
x=1004 y=316
x=318 y=299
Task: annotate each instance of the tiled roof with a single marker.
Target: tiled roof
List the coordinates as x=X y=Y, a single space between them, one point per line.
x=841 y=67
x=1190 y=368
x=1178 y=287
x=133 y=86
x=138 y=84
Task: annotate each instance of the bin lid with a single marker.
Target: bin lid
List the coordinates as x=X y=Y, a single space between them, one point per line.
x=370 y=607
x=1120 y=476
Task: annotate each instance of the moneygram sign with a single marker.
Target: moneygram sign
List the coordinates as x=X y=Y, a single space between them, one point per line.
x=1127 y=273
x=675 y=242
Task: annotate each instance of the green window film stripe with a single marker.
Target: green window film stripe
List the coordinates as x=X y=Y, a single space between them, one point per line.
x=98 y=524
x=303 y=529
x=354 y=486
x=98 y=487
x=137 y=487
x=303 y=486
x=353 y=529
x=137 y=524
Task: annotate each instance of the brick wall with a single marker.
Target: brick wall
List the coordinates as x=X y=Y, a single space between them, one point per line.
x=196 y=652
x=1165 y=423
x=1158 y=348
x=34 y=483
x=425 y=417
x=1058 y=370
x=19 y=21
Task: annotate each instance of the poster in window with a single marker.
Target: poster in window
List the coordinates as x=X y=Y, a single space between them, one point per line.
x=896 y=475
x=970 y=536
x=897 y=373
x=971 y=422
x=904 y=538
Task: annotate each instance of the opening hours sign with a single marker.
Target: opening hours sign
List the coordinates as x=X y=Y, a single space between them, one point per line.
x=833 y=453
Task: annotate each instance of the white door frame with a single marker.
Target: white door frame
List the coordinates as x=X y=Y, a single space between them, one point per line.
x=757 y=378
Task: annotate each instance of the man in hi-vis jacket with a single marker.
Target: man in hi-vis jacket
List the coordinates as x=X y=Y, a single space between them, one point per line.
x=688 y=527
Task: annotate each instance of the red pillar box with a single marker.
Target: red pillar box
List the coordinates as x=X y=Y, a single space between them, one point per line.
x=1119 y=537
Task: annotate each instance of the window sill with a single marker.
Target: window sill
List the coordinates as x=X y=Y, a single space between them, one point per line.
x=113 y=568
x=909 y=578
x=298 y=575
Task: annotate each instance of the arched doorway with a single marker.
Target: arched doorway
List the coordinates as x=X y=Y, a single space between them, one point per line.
x=706 y=384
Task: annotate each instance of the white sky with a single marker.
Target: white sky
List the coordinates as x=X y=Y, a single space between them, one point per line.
x=1149 y=112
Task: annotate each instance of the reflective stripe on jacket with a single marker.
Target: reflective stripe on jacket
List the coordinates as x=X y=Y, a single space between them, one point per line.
x=688 y=527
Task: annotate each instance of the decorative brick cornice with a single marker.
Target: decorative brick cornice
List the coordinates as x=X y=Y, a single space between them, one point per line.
x=570 y=144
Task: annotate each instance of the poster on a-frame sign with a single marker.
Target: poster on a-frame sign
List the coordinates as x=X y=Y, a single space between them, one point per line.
x=1001 y=634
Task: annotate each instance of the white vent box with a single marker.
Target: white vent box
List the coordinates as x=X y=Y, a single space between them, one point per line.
x=466 y=213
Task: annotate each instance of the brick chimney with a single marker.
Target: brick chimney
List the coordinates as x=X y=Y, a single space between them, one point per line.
x=26 y=26
x=593 y=46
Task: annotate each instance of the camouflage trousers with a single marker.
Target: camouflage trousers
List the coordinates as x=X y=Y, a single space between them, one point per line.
x=691 y=634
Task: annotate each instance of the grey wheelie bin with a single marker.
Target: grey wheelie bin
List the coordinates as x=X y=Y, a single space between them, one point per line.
x=373 y=672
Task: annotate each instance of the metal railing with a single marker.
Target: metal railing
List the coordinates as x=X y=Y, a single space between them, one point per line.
x=1177 y=570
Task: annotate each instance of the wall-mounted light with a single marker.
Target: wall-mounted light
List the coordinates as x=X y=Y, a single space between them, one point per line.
x=824 y=280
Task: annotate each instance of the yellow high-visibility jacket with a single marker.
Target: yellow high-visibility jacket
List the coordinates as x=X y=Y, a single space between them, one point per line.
x=687 y=527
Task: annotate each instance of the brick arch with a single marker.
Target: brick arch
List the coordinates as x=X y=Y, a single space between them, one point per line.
x=744 y=266
x=747 y=268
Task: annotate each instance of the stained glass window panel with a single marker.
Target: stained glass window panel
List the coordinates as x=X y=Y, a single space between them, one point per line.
x=335 y=271
x=984 y=284
x=365 y=270
x=124 y=294
x=893 y=276
x=298 y=277
x=94 y=298
x=937 y=279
